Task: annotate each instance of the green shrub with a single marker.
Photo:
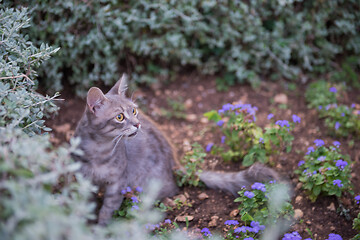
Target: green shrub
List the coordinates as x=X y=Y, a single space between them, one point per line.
x=192 y=163
x=341 y=120
x=325 y=170
x=244 y=139
x=255 y=203
x=20 y=105
x=242 y=40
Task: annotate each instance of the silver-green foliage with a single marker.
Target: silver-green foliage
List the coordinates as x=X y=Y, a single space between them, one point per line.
x=20 y=105
x=243 y=38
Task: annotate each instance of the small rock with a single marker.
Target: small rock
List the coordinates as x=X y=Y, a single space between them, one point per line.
x=298 y=186
x=169 y=202
x=191 y=117
x=188 y=103
x=186 y=195
x=308 y=222
x=331 y=207
x=298 y=214
x=204 y=120
x=181 y=198
x=332 y=228
x=213 y=222
x=183 y=218
x=281 y=98
x=298 y=199
x=202 y=196
x=234 y=213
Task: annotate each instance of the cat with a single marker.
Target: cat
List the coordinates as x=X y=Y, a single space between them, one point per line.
x=123 y=147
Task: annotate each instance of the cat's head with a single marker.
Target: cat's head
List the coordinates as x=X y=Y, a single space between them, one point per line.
x=113 y=113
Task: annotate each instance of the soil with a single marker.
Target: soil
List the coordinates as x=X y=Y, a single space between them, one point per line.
x=199 y=95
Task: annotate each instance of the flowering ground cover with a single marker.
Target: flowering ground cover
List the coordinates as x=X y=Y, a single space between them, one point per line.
x=323 y=203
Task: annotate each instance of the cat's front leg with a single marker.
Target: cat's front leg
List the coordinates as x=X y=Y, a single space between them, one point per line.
x=112 y=201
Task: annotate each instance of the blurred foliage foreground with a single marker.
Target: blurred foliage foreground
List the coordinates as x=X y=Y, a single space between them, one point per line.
x=238 y=40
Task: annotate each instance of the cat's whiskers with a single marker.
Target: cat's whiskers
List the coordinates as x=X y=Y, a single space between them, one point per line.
x=117 y=139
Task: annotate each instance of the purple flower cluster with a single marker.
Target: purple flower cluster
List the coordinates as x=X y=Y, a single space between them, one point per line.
x=261 y=140
x=282 y=123
x=357 y=198
x=336 y=143
x=255 y=227
x=233 y=107
x=134 y=199
x=333 y=89
x=333 y=236
x=341 y=164
x=292 y=236
x=231 y=222
x=249 y=194
x=321 y=158
x=209 y=146
x=310 y=150
x=319 y=142
x=220 y=123
x=296 y=119
x=206 y=232
x=337 y=125
x=338 y=183
x=259 y=186
x=223 y=139
x=126 y=190
x=270 y=116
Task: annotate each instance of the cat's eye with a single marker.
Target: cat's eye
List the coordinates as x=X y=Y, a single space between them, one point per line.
x=134 y=111
x=120 y=117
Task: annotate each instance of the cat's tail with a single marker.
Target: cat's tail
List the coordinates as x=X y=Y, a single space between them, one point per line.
x=234 y=181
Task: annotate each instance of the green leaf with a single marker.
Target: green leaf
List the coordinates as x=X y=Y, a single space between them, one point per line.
x=213 y=116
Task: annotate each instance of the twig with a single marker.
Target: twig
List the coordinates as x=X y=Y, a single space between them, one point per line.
x=18 y=76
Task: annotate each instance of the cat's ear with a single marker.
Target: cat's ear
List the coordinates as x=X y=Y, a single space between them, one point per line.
x=95 y=99
x=120 y=87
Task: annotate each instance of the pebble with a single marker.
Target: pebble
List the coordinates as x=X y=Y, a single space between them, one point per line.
x=213 y=222
x=181 y=198
x=298 y=186
x=191 y=117
x=298 y=199
x=281 y=98
x=234 y=213
x=188 y=103
x=202 y=196
x=298 y=214
x=183 y=218
x=169 y=202
x=331 y=207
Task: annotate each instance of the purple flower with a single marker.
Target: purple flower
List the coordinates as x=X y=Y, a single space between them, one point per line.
x=352 y=105
x=310 y=150
x=231 y=222
x=128 y=189
x=123 y=191
x=357 y=198
x=341 y=164
x=209 y=146
x=336 y=144
x=292 y=236
x=134 y=199
x=321 y=158
x=282 y=123
x=337 y=125
x=223 y=139
x=249 y=238
x=333 y=236
x=139 y=189
x=320 y=107
x=220 y=123
x=249 y=194
x=261 y=140
x=338 y=183
x=296 y=119
x=206 y=232
x=135 y=207
x=259 y=186
x=333 y=89
x=227 y=107
x=168 y=221
x=319 y=142
x=270 y=116
x=343 y=114
x=242 y=229
x=256 y=227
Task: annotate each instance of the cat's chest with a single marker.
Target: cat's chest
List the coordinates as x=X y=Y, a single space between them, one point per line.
x=104 y=173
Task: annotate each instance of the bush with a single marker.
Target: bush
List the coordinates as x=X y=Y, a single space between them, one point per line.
x=241 y=40
x=245 y=139
x=20 y=105
x=325 y=171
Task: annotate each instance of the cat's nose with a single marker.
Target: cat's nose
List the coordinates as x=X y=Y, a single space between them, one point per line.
x=137 y=125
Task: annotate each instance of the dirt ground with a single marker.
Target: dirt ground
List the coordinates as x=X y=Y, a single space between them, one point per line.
x=199 y=95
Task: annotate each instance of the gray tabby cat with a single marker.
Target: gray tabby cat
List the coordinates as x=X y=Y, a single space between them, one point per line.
x=123 y=147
